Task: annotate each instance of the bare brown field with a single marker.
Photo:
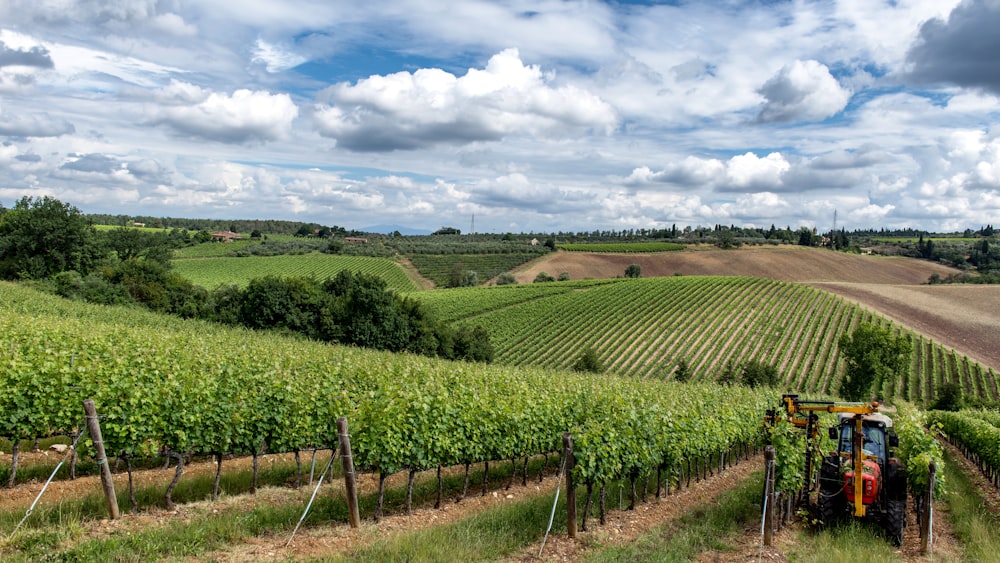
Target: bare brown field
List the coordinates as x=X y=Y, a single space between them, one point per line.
x=963 y=317
x=787 y=263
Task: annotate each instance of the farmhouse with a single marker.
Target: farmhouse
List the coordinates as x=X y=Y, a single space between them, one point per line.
x=226 y=236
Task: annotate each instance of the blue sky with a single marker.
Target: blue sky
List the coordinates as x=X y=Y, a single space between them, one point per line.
x=541 y=115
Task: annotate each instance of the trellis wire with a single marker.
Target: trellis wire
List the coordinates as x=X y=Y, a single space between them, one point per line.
x=319 y=483
x=552 y=516
x=69 y=451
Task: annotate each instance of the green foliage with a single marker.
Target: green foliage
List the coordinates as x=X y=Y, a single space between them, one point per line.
x=622 y=247
x=589 y=361
x=211 y=273
x=449 y=270
x=754 y=373
x=563 y=276
x=949 y=398
x=506 y=278
x=42 y=237
x=544 y=277
x=682 y=372
x=873 y=356
x=633 y=271
x=974 y=433
x=642 y=326
x=200 y=388
x=917 y=448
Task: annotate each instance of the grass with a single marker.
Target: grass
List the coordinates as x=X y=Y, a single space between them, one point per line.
x=60 y=530
x=974 y=525
x=487 y=536
x=708 y=527
x=854 y=541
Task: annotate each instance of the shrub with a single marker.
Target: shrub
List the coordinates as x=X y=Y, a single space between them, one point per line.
x=543 y=277
x=588 y=361
x=506 y=278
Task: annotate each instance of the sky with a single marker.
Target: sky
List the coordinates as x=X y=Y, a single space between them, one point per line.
x=513 y=116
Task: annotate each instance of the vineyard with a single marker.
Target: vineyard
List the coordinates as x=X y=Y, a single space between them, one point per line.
x=643 y=327
x=213 y=272
x=440 y=267
x=170 y=386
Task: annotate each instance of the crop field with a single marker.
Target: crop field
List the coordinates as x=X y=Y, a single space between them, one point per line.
x=439 y=267
x=643 y=327
x=213 y=272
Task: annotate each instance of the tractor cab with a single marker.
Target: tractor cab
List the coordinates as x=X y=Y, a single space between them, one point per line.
x=878 y=436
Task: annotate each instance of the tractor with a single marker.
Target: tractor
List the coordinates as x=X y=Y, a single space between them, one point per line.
x=861 y=478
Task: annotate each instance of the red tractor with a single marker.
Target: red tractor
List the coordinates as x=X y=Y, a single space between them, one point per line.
x=865 y=439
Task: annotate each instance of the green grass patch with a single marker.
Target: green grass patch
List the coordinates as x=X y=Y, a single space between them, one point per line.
x=707 y=527
x=626 y=247
x=975 y=526
x=487 y=536
x=855 y=541
x=213 y=272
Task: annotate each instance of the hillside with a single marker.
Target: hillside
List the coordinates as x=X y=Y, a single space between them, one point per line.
x=785 y=263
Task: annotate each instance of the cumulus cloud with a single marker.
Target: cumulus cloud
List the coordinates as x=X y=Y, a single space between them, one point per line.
x=430 y=106
x=692 y=171
x=34 y=125
x=962 y=49
x=244 y=116
x=802 y=91
x=750 y=172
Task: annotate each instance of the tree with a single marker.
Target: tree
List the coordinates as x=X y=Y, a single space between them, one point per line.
x=588 y=361
x=949 y=398
x=563 y=276
x=682 y=372
x=543 y=277
x=42 y=237
x=726 y=239
x=447 y=231
x=755 y=373
x=874 y=357
x=633 y=271
x=506 y=278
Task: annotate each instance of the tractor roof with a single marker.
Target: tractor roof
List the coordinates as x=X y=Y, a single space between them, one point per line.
x=876 y=417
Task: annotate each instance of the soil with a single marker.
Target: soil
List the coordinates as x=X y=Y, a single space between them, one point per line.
x=963 y=317
x=787 y=263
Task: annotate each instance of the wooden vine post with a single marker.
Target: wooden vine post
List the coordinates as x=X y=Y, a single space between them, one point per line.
x=350 y=482
x=928 y=510
x=94 y=427
x=768 y=495
x=570 y=489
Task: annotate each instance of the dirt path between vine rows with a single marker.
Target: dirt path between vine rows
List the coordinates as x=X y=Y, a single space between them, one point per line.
x=624 y=527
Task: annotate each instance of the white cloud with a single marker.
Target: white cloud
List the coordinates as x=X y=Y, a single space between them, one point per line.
x=275 y=58
x=748 y=171
x=802 y=91
x=173 y=24
x=431 y=106
x=244 y=116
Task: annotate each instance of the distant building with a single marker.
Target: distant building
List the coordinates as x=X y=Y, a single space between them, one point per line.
x=226 y=236
x=534 y=242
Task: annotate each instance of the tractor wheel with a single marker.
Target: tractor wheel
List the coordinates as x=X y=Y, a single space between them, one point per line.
x=831 y=502
x=895 y=520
